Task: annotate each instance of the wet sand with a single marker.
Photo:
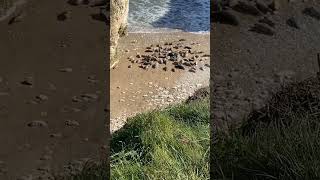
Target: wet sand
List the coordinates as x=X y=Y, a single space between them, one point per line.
x=52 y=89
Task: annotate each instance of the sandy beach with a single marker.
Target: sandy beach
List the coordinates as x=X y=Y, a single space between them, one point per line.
x=135 y=90
x=52 y=88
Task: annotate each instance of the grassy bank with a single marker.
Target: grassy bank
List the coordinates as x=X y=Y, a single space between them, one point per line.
x=171 y=144
x=279 y=141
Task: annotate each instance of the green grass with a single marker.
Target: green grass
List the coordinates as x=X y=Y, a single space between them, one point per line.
x=281 y=141
x=171 y=144
x=168 y=144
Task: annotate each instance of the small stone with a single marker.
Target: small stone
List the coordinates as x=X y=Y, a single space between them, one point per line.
x=312 y=12
x=165 y=68
x=44 y=168
x=28 y=81
x=130 y=66
x=56 y=135
x=179 y=66
x=246 y=8
x=72 y=123
x=88 y=96
x=262 y=6
x=37 y=124
x=192 y=70
x=292 y=23
x=63 y=16
x=154 y=66
x=275 y=5
x=173 y=70
x=42 y=97
x=262 y=29
x=267 y=21
x=76 y=99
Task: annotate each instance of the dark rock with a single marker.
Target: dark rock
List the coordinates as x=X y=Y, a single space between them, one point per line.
x=225 y=17
x=76 y=99
x=312 y=12
x=90 y=96
x=42 y=97
x=63 y=16
x=165 y=68
x=72 y=123
x=179 y=66
x=262 y=29
x=37 y=124
x=192 y=70
x=275 y=5
x=16 y=18
x=262 y=6
x=267 y=21
x=246 y=8
x=199 y=94
x=56 y=135
x=27 y=82
x=154 y=66
x=292 y=23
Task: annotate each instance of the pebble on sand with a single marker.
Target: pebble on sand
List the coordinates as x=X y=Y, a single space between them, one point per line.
x=37 y=123
x=72 y=123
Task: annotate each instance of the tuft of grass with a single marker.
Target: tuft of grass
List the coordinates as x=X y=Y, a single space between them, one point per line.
x=168 y=144
x=280 y=141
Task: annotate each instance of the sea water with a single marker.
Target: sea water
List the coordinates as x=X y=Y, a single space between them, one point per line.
x=156 y=16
